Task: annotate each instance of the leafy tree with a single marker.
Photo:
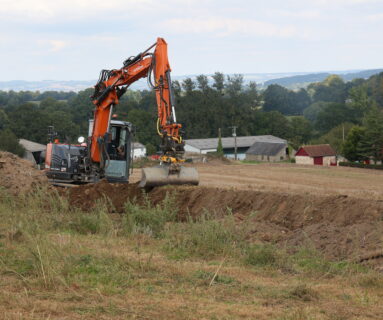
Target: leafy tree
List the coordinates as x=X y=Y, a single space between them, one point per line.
x=10 y=143
x=202 y=83
x=301 y=131
x=219 y=81
x=372 y=142
x=333 y=115
x=188 y=85
x=150 y=149
x=334 y=137
x=352 y=147
x=311 y=112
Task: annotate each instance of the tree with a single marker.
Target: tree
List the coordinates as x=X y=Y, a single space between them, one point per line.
x=301 y=131
x=311 y=112
x=188 y=85
x=219 y=81
x=203 y=83
x=333 y=115
x=352 y=149
x=219 y=147
x=372 y=142
x=334 y=137
x=10 y=143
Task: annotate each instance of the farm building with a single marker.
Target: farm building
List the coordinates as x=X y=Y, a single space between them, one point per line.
x=139 y=150
x=268 y=151
x=32 y=150
x=204 y=146
x=321 y=154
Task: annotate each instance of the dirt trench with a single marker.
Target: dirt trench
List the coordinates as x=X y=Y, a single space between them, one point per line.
x=340 y=227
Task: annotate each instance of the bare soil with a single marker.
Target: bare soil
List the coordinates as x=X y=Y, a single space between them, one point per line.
x=18 y=175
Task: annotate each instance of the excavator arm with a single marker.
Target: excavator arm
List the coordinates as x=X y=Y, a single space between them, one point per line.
x=113 y=84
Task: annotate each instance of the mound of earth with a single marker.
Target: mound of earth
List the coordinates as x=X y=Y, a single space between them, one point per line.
x=340 y=227
x=18 y=175
x=86 y=196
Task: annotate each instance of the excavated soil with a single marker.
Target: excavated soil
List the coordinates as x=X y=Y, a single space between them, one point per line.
x=341 y=227
x=18 y=175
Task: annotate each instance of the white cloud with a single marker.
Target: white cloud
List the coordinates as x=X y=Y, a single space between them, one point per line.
x=228 y=26
x=375 y=17
x=57 y=45
x=306 y=14
x=50 y=9
x=344 y=2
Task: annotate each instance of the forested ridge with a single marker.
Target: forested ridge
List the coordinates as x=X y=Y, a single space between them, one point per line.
x=348 y=115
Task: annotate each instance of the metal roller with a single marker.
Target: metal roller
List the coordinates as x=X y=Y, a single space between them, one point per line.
x=161 y=175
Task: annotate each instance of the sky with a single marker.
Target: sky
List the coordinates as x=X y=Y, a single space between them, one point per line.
x=75 y=39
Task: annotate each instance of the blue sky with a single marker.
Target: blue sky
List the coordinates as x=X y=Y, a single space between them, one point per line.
x=74 y=39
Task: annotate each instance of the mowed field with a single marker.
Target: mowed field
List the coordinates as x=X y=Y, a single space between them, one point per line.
x=291 y=178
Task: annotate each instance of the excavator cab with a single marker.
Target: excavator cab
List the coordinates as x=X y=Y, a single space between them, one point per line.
x=67 y=163
x=119 y=150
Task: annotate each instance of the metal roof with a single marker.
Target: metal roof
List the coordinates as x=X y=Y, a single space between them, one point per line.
x=266 y=148
x=319 y=150
x=32 y=146
x=228 y=142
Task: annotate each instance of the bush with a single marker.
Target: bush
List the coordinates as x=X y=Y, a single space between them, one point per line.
x=361 y=165
x=10 y=143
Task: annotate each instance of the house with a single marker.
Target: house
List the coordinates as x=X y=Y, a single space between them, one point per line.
x=268 y=151
x=139 y=150
x=204 y=146
x=32 y=150
x=321 y=154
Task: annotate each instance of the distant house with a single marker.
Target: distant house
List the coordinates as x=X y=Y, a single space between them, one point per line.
x=268 y=151
x=33 y=150
x=321 y=154
x=139 y=150
x=204 y=146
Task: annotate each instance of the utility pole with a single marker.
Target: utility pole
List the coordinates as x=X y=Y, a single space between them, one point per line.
x=234 y=134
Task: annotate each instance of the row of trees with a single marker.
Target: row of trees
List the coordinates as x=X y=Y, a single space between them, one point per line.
x=332 y=111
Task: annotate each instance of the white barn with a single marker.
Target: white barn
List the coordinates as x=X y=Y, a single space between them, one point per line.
x=139 y=150
x=204 y=146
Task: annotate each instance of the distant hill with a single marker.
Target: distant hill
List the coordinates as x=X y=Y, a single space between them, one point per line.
x=291 y=80
x=303 y=80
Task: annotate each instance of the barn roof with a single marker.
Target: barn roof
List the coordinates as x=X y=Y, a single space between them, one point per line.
x=138 y=145
x=228 y=142
x=266 y=148
x=320 y=150
x=32 y=146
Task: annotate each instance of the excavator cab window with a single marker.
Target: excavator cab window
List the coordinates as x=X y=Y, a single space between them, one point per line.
x=119 y=153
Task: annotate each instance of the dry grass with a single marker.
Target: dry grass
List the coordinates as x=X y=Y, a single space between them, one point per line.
x=59 y=263
x=292 y=178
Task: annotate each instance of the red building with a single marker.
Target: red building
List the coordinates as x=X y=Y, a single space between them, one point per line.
x=321 y=154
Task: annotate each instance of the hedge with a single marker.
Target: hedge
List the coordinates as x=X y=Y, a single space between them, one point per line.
x=361 y=165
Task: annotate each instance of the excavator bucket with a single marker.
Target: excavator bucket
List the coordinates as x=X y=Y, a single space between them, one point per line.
x=161 y=175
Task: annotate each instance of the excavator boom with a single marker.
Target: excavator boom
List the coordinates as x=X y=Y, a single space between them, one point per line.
x=112 y=85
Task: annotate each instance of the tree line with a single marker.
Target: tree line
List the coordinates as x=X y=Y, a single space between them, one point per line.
x=345 y=114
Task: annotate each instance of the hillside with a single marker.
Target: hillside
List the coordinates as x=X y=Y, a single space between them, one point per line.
x=290 y=80
x=301 y=81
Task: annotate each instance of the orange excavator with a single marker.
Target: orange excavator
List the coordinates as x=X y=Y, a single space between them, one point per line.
x=108 y=150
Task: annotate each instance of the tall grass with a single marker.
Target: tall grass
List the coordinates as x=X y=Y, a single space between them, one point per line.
x=147 y=218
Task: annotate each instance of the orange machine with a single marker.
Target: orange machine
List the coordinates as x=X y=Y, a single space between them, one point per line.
x=112 y=85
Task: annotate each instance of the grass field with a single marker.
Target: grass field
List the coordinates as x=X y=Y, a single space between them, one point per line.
x=57 y=262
